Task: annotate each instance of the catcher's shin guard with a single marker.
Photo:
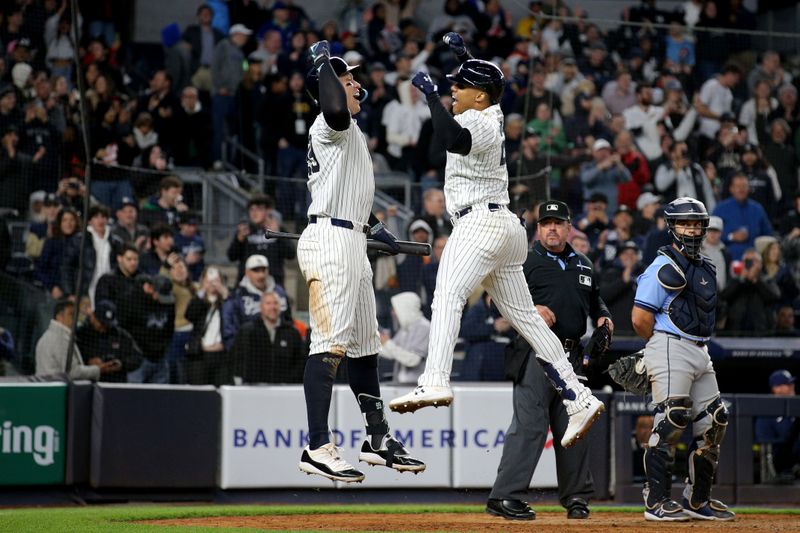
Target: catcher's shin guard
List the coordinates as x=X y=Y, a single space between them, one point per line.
x=671 y=418
x=704 y=460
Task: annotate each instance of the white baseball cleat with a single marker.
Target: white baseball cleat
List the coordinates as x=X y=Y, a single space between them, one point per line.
x=326 y=461
x=582 y=414
x=422 y=396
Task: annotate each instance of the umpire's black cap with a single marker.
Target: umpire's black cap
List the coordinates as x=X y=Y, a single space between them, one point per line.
x=480 y=74
x=554 y=209
x=340 y=67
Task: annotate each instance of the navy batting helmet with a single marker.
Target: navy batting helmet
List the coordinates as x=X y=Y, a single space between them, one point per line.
x=340 y=67
x=687 y=209
x=480 y=74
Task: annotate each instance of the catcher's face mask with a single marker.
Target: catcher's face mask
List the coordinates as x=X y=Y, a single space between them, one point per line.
x=689 y=235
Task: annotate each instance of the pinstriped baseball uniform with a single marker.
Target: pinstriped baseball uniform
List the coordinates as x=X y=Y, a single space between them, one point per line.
x=333 y=259
x=478 y=177
x=486 y=247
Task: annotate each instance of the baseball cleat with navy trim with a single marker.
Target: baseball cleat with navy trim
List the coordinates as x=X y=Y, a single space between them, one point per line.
x=422 y=396
x=666 y=511
x=327 y=461
x=711 y=510
x=391 y=454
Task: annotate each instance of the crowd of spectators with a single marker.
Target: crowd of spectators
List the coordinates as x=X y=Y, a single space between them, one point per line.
x=618 y=123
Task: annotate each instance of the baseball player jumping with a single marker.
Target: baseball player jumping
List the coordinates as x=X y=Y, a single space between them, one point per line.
x=675 y=311
x=488 y=245
x=332 y=253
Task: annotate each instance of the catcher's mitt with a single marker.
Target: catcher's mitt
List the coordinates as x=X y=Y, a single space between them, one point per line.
x=630 y=373
x=598 y=345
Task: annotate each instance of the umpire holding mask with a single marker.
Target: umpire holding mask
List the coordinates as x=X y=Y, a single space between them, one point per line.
x=565 y=291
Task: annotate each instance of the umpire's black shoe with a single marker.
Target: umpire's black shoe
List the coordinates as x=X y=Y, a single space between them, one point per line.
x=578 y=508
x=391 y=454
x=510 y=509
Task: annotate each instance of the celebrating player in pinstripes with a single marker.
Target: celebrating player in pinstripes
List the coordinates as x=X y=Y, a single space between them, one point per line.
x=488 y=244
x=333 y=260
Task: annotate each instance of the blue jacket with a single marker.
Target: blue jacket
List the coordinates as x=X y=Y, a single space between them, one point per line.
x=735 y=215
x=244 y=304
x=69 y=268
x=48 y=265
x=605 y=181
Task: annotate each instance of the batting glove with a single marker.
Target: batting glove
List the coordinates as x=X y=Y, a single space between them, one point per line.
x=424 y=83
x=318 y=52
x=380 y=233
x=456 y=43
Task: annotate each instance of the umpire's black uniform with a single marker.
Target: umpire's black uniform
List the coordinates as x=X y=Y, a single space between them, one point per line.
x=566 y=284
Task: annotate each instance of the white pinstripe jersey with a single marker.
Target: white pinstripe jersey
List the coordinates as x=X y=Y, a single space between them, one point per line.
x=340 y=175
x=480 y=176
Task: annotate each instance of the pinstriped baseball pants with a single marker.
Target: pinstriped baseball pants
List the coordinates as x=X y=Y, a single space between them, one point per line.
x=334 y=263
x=488 y=248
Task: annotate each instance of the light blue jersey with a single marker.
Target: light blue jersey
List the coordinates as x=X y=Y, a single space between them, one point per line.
x=653 y=297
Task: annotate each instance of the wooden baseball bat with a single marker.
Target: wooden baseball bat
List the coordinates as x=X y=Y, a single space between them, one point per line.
x=406 y=247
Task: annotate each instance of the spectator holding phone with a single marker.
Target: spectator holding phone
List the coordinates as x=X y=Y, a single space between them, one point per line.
x=102 y=341
x=596 y=221
x=680 y=177
x=162 y=244
x=750 y=296
x=249 y=239
x=604 y=173
x=207 y=362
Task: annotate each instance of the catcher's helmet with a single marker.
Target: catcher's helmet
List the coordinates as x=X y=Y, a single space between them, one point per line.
x=483 y=75
x=687 y=209
x=340 y=67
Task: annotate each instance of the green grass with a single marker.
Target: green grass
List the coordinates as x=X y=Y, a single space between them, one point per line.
x=112 y=519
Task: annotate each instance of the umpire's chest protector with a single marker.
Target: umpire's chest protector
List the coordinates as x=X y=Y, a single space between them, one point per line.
x=693 y=308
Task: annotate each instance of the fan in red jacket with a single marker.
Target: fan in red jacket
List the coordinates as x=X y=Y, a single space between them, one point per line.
x=628 y=192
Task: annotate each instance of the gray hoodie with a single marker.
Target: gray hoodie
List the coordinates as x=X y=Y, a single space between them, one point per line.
x=226 y=67
x=409 y=346
x=51 y=355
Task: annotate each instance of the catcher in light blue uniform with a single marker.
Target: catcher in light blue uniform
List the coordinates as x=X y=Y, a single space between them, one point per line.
x=674 y=310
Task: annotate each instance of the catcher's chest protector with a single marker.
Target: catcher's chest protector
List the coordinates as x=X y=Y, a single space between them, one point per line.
x=693 y=310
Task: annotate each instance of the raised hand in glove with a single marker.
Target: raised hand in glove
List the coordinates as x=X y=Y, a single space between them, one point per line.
x=424 y=83
x=380 y=233
x=456 y=43
x=318 y=52
x=599 y=344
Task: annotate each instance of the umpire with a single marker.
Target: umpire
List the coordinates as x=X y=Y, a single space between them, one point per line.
x=565 y=290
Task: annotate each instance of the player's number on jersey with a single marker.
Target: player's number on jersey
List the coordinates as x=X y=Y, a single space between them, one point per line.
x=311 y=159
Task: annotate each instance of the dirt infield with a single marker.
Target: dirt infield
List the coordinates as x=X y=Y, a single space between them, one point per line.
x=548 y=522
